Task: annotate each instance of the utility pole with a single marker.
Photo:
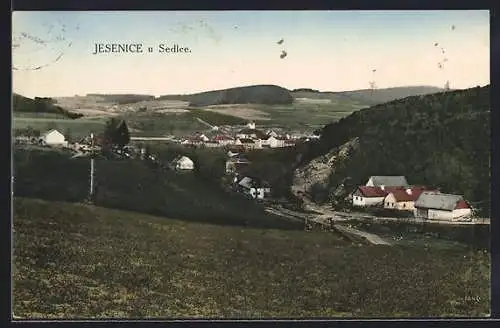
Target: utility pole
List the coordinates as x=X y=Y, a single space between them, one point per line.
x=91 y=191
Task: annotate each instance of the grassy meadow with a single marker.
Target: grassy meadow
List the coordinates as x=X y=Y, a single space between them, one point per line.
x=86 y=262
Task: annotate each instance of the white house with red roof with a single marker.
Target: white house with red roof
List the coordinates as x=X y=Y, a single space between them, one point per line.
x=371 y=195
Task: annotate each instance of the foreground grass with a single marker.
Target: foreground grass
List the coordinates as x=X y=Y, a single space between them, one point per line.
x=78 y=261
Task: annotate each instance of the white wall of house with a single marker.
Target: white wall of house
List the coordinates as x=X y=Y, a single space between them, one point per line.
x=433 y=214
x=366 y=201
x=54 y=138
x=391 y=203
x=257 y=193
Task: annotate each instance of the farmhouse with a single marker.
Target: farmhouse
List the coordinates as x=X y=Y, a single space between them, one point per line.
x=53 y=138
x=387 y=181
x=403 y=199
x=438 y=206
x=182 y=163
x=370 y=195
x=255 y=188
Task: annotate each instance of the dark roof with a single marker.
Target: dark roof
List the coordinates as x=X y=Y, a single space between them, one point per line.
x=439 y=201
x=247 y=140
x=390 y=181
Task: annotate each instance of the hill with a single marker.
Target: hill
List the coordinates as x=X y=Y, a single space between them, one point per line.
x=39 y=105
x=367 y=97
x=121 y=98
x=135 y=186
x=74 y=261
x=441 y=139
x=256 y=94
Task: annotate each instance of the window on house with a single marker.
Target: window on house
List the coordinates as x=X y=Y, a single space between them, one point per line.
x=404 y=205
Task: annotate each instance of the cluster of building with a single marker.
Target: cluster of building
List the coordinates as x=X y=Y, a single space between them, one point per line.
x=248 y=137
x=394 y=193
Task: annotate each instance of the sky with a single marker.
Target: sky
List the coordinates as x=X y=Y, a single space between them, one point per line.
x=52 y=52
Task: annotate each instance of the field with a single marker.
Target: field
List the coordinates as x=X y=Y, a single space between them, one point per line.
x=80 y=261
x=43 y=122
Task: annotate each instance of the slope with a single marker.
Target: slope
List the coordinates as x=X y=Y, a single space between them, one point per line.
x=255 y=94
x=79 y=261
x=439 y=140
x=133 y=185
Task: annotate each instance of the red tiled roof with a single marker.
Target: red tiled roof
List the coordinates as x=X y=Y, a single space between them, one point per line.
x=462 y=204
x=369 y=191
x=401 y=194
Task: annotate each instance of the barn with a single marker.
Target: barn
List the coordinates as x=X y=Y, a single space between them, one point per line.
x=53 y=138
x=438 y=206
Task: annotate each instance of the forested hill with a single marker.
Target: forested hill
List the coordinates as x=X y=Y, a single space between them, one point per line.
x=39 y=105
x=255 y=94
x=441 y=139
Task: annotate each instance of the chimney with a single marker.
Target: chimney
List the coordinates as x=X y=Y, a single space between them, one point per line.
x=382 y=187
x=408 y=191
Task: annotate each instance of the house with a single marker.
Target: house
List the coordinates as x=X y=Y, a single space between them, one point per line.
x=387 y=181
x=53 y=138
x=253 y=187
x=271 y=133
x=182 y=163
x=224 y=140
x=251 y=125
x=273 y=142
x=251 y=143
x=370 y=195
x=251 y=134
x=437 y=206
x=403 y=199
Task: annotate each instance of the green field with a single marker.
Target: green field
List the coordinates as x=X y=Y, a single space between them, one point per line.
x=86 y=262
x=77 y=128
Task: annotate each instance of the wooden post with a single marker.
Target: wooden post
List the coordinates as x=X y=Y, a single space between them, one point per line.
x=91 y=191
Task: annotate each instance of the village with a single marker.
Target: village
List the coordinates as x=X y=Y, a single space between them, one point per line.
x=389 y=195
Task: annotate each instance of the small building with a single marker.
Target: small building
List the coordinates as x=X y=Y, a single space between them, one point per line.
x=271 y=133
x=365 y=196
x=253 y=187
x=53 y=138
x=251 y=143
x=433 y=205
x=274 y=142
x=251 y=125
x=251 y=134
x=387 y=181
x=403 y=199
x=183 y=163
x=224 y=140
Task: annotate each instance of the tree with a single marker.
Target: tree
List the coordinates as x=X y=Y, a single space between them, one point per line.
x=116 y=133
x=122 y=134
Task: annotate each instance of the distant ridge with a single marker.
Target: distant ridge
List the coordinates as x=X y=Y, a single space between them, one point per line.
x=255 y=94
